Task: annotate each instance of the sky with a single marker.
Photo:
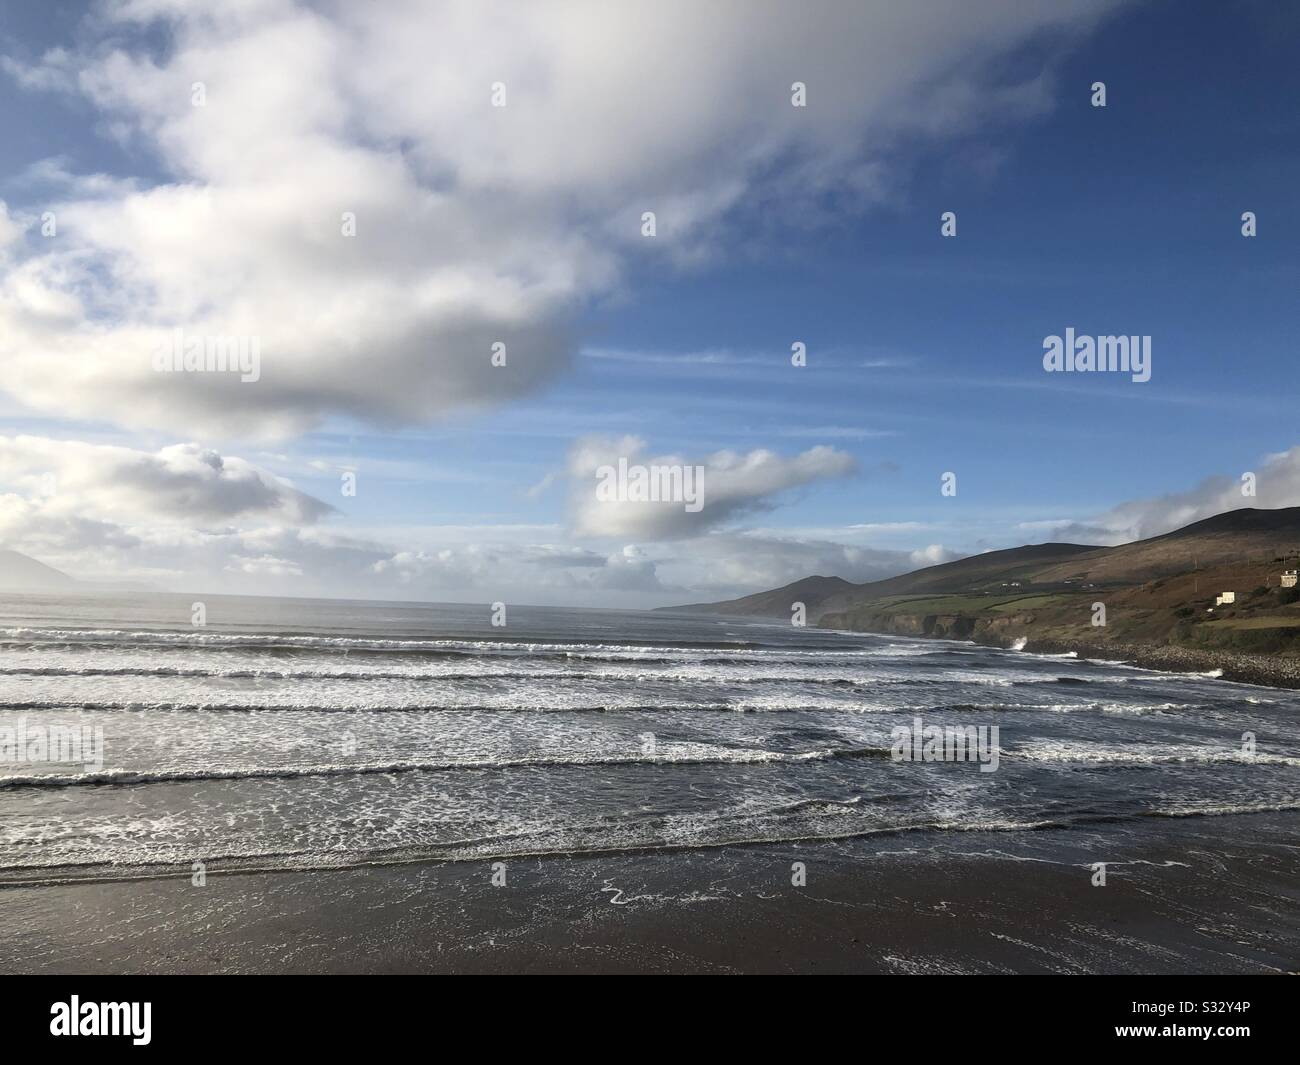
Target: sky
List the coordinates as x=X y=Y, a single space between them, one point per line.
x=375 y=195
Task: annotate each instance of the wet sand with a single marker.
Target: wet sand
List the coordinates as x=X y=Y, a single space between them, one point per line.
x=1193 y=895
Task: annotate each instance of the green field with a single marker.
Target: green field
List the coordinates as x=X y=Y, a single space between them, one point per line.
x=963 y=604
x=1253 y=623
x=1032 y=602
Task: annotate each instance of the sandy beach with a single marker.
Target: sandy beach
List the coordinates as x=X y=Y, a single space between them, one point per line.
x=1211 y=895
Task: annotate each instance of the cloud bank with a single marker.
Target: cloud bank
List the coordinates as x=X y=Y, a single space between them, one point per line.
x=730 y=485
x=1275 y=484
x=274 y=123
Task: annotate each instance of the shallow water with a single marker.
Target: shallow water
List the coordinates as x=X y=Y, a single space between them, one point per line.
x=307 y=734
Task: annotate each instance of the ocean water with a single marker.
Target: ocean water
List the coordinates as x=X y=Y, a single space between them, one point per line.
x=306 y=734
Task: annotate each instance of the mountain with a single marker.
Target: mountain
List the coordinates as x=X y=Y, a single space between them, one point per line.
x=988 y=570
x=1234 y=536
x=811 y=591
x=833 y=593
x=22 y=573
x=1165 y=591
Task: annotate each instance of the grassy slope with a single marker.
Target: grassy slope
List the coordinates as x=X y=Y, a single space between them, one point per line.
x=1157 y=593
x=825 y=594
x=1173 y=611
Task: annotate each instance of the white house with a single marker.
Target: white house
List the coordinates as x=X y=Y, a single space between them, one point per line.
x=1226 y=597
x=1288 y=578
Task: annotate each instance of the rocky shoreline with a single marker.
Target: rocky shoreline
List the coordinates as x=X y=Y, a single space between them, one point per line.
x=1274 y=671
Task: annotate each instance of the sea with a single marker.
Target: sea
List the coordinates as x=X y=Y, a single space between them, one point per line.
x=291 y=734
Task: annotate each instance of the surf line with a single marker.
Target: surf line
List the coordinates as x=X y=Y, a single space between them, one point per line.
x=946 y=743
x=70 y=744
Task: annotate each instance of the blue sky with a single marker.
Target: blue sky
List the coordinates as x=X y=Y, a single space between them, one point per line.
x=924 y=353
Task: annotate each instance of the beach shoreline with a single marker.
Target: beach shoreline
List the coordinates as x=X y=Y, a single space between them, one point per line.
x=1270 y=671
x=1184 y=895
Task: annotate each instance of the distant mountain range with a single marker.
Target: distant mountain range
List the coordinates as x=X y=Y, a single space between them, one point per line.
x=822 y=595
x=22 y=573
x=1160 y=591
x=1234 y=536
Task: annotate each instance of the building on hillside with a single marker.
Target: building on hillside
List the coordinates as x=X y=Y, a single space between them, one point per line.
x=1225 y=597
x=1288 y=578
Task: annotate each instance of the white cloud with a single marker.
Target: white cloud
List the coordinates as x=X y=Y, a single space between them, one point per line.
x=10 y=229
x=729 y=485
x=474 y=224
x=176 y=517
x=184 y=483
x=727 y=565
x=933 y=556
x=265 y=566
x=189 y=519
x=526 y=573
x=1276 y=482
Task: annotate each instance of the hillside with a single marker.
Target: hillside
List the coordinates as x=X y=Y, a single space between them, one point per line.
x=822 y=594
x=22 y=573
x=811 y=591
x=1156 y=593
x=1236 y=536
x=987 y=571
